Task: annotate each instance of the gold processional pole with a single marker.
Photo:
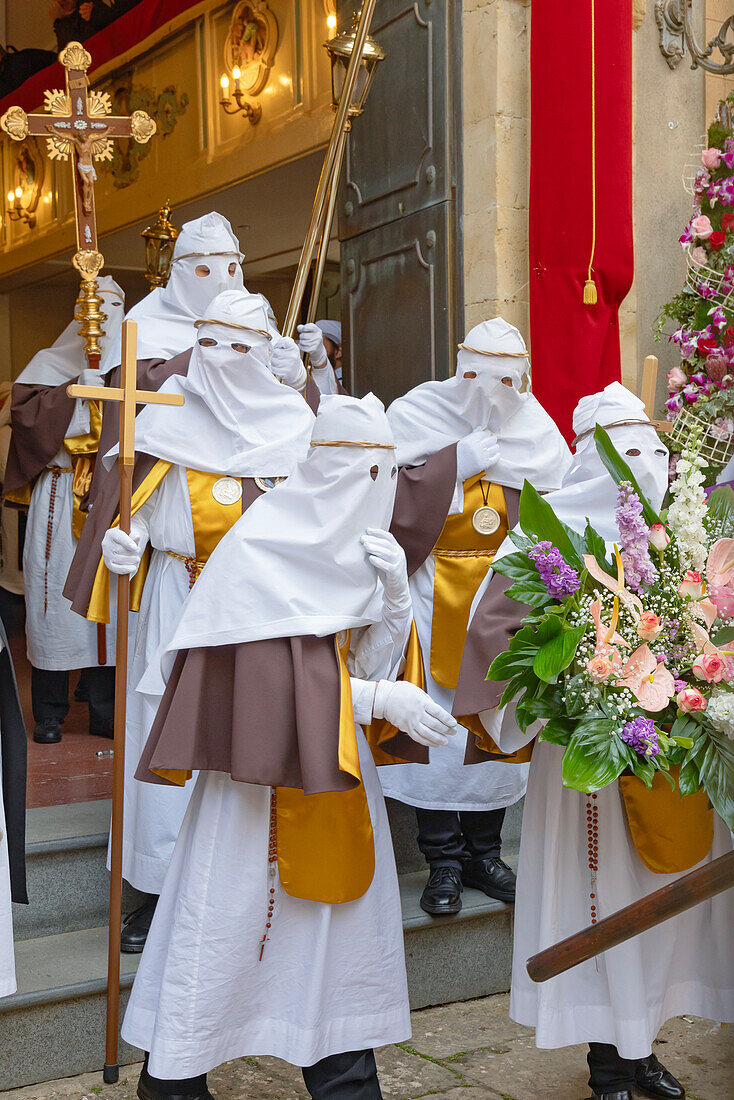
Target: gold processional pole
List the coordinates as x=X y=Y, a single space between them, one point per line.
x=128 y=395
x=358 y=52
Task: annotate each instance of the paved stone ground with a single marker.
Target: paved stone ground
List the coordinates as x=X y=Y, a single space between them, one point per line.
x=465 y=1051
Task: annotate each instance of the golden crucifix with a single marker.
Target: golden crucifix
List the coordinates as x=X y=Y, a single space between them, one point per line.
x=128 y=396
x=79 y=126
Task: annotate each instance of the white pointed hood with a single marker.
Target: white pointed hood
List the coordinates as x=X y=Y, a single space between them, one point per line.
x=65 y=359
x=435 y=415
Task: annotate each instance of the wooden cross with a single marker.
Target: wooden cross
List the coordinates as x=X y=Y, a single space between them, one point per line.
x=79 y=126
x=649 y=386
x=128 y=395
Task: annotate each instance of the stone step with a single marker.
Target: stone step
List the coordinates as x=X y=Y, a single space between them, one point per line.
x=68 y=884
x=54 y=1025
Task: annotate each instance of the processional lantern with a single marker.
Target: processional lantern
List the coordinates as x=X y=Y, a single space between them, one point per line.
x=340 y=49
x=160 y=237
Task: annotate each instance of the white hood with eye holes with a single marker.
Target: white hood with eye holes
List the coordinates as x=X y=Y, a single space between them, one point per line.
x=589 y=492
x=237 y=418
x=166 y=316
x=436 y=414
x=65 y=359
x=294 y=564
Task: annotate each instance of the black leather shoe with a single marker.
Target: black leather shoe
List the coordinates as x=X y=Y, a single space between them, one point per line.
x=136 y=926
x=442 y=893
x=148 y=1091
x=47 y=732
x=492 y=876
x=625 y=1094
x=653 y=1079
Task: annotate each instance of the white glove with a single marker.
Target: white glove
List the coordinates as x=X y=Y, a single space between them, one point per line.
x=476 y=453
x=311 y=342
x=411 y=710
x=121 y=552
x=388 y=558
x=286 y=364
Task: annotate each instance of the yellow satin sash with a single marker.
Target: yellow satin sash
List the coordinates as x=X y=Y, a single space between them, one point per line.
x=211 y=519
x=380 y=730
x=462 y=557
x=83 y=451
x=670 y=833
x=326 y=849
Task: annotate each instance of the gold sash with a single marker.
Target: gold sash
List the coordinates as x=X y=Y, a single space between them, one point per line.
x=670 y=833
x=380 y=730
x=462 y=557
x=326 y=849
x=211 y=519
x=83 y=451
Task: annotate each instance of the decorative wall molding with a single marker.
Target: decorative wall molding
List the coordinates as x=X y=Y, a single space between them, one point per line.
x=251 y=44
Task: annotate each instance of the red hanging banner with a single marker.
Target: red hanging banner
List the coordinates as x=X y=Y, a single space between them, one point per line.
x=580 y=196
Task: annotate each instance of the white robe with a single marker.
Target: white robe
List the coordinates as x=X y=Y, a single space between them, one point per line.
x=446 y=783
x=56 y=637
x=153 y=813
x=623 y=997
x=7 y=955
x=332 y=977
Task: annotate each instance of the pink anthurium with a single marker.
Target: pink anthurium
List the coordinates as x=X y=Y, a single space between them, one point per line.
x=602 y=631
x=631 y=602
x=720 y=577
x=649 y=680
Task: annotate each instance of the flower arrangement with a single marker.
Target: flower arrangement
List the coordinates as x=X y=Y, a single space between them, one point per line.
x=628 y=658
x=701 y=388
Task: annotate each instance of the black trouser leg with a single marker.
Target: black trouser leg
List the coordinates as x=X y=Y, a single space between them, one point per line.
x=99 y=681
x=608 y=1072
x=348 y=1076
x=439 y=837
x=160 y=1087
x=482 y=832
x=50 y=694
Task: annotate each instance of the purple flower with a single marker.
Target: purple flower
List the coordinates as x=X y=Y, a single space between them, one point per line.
x=707 y=291
x=680 y=685
x=559 y=578
x=686 y=235
x=718 y=317
x=641 y=736
x=691 y=394
x=634 y=539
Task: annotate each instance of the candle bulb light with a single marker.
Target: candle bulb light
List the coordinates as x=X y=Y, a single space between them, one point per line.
x=241 y=104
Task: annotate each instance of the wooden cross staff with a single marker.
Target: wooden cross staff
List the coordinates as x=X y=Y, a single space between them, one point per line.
x=649 y=386
x=129 y=396
x=79 y=126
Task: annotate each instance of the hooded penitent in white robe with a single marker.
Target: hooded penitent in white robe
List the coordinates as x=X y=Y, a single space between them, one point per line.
x=237 y=422
x=331 y=976
x=11 y=574
x=684 y=965
x=56 y=637
x=429 y=418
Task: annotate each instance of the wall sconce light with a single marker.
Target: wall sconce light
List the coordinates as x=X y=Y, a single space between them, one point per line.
x=16 y=211
x=677 y=32
x=252 y=111
x=160 y=237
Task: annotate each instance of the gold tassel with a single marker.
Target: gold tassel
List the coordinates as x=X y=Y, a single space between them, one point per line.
x=590 y=293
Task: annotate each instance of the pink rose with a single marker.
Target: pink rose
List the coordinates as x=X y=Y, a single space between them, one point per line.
x=676 y=378
x=711 y=157
x=701 y=227
x=691 y=585
x=691 y=700
x=649 y=626
x=599 y=668
x=709 y=667
x=658 y=536
x=697 y=256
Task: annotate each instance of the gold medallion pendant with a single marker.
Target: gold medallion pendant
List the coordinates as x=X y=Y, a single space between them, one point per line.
x=228 y=490
x=486 y=520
